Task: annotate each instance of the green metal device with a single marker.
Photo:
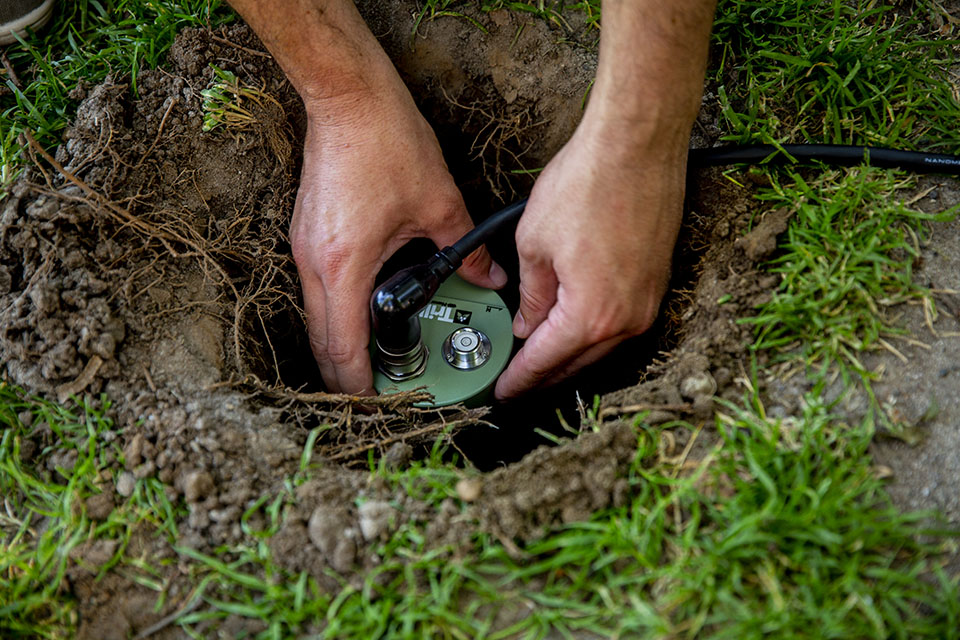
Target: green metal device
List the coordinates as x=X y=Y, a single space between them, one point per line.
x=468 y=335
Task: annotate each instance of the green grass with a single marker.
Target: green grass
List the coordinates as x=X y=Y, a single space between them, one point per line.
x=847 y=258
x=87 y=41
x=831 y=71
x=44 y=516
x=781 y=529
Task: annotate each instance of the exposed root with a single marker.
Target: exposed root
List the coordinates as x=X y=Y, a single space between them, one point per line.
x=349 y=426
x=389 y=401
x=613 y=412
x=427 y=432
x=501 y=143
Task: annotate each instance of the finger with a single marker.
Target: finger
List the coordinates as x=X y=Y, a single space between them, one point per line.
x=538 y=295
x=478 y=267
x=314 y=303
x=348 y=334
x=551 y=346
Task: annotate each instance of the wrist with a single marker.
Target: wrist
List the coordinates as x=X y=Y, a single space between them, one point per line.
x=636 y=135
x=377 y=100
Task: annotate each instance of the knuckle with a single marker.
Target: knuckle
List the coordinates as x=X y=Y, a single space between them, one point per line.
x=327 y=257
x=623 y=315
x=333 y=257
x=321 y=255
x=448 y=211
x=533 y=300
x=341 y=355
x=326 y=260
x=606 y=321
x=319 y=347
x=301 y=249
x=528 y=249
x=529 y=237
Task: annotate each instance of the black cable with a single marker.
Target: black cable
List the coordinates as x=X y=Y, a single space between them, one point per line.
x=395 y=303
x=507 y=216
x=831 y=154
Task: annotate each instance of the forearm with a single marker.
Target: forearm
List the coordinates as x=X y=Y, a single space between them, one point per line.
x=323 y=46
x=652 y=62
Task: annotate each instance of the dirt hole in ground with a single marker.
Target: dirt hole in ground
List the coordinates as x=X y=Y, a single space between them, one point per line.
x=148 y=260
x=517 y=427
x=501 y=109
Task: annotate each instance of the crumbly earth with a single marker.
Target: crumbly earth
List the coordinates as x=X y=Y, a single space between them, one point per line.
x=149 y=262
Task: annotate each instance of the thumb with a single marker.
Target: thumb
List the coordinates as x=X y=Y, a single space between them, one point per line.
x=478 y=268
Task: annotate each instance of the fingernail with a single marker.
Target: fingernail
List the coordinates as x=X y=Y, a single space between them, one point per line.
x=497 y=275
x=519 y=324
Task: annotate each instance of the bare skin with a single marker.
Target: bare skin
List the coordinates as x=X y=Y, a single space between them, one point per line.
x=597 y=234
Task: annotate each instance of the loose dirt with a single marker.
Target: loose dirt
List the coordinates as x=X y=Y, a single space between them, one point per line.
x=149 y=261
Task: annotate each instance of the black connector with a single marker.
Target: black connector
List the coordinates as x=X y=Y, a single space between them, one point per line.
x=395 y=304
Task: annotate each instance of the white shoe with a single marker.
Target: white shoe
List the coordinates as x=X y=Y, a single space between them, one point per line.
x=16 y=16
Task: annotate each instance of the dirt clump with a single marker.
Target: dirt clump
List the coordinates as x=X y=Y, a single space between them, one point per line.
x=712 y=347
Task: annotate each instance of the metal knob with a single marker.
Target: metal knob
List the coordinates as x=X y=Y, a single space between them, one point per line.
x=466 y=349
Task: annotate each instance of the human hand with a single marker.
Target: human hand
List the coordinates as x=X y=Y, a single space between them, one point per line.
x=373 y=178
x=595 y=243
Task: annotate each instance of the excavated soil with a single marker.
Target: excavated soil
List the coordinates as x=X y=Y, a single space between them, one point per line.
x=148 y=261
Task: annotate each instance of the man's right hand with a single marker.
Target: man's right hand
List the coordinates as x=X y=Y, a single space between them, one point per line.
x=373 y=178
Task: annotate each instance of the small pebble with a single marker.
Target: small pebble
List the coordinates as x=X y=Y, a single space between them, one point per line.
x=199 y=518
x=100 y=506
x=698 y=384
x=197 y=485
x=145 y=470
x=345 y=554
x=777 y=412
x=375 y=518
x=325 y=528
x=469 y=489
x=126 y=483
x=132 y=452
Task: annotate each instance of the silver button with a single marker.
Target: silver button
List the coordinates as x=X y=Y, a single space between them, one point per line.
x=466 y=349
